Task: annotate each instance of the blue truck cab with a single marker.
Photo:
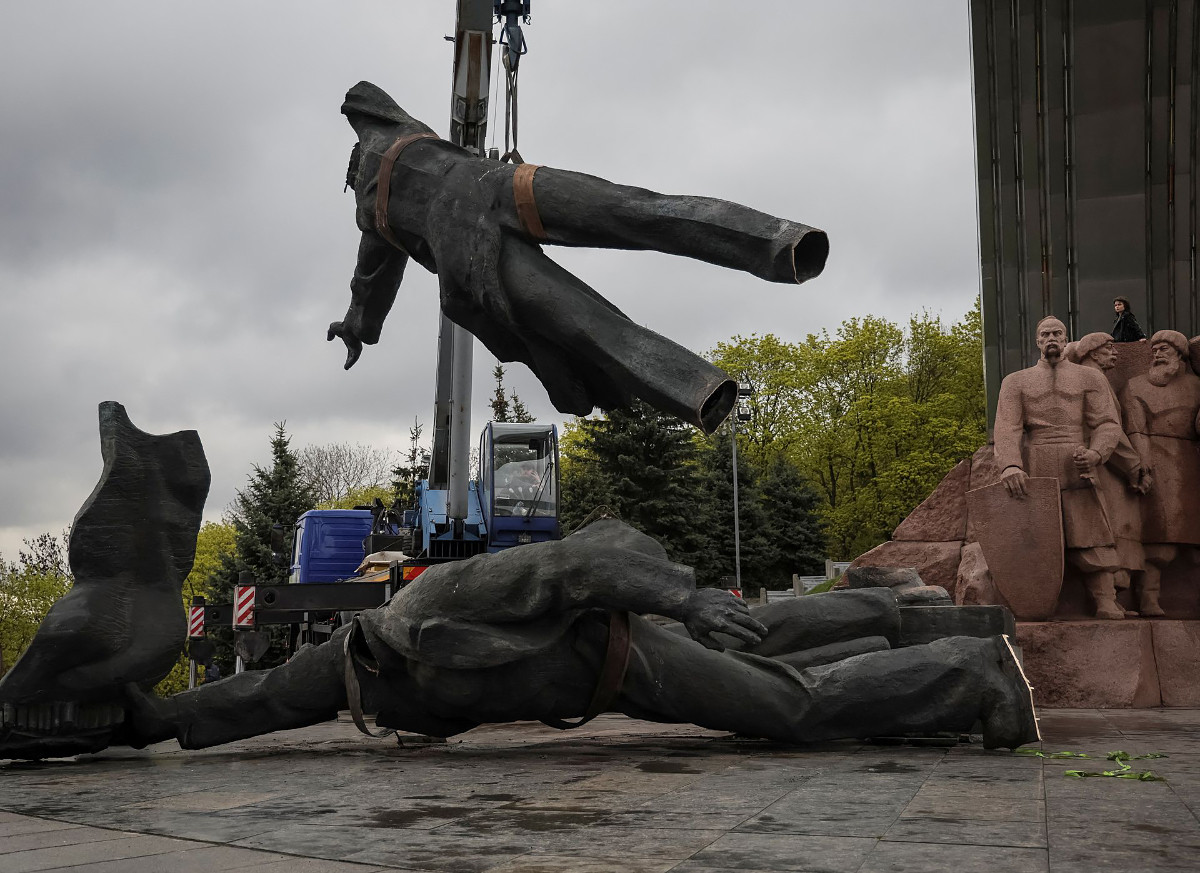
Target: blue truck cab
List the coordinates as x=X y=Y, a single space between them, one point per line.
x=513 y=501
x=518 y=484
x=327 y=544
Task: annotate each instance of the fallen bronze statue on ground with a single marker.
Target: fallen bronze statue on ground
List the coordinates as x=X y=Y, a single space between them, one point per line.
x=551 y=632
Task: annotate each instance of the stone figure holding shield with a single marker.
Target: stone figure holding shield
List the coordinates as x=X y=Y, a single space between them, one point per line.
x=1057 y=419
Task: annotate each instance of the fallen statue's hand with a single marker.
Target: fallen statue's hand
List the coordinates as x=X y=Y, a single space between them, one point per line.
x=713 y=610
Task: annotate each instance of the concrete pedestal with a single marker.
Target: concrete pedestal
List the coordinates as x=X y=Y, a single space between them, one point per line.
x=1108 y=664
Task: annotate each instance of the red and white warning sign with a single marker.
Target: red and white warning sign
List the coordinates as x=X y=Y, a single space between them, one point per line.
x=243 y=606
x=196 y=622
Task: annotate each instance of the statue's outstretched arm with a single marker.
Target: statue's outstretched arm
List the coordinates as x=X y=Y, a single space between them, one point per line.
x=373 y=289
x=608 y=565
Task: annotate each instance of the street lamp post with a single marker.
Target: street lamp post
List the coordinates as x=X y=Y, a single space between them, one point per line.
x=740 y=413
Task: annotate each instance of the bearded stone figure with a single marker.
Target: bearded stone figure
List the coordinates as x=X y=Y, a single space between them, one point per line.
x=1123 y=477
x=1160 y=417
x=1057 y=419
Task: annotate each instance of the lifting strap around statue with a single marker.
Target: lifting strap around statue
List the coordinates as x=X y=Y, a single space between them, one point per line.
x=383 y=184
x=612 y=674
x=353 y=691
x=527 y=211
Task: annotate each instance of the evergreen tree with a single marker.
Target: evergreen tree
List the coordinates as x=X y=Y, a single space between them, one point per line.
x=507 y=407
x=760 y=557
x=411 y=469
x=791 y=508
x=273 y=495
x=500 y=404
x=519 y=413
x=643 y=464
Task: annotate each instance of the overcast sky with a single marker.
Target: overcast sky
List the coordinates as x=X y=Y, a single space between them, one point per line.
x=174 y=236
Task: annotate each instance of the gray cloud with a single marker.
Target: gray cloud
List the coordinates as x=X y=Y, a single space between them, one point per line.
x=173 y=233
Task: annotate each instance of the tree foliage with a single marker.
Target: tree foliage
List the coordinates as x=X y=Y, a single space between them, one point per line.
x=662 y=478
x=277 y=494
x=215 y=543
x=28 y=588
x=848 y=431
x=507 y=406
x=412 y=468
x=871 y=416
x=642 y=464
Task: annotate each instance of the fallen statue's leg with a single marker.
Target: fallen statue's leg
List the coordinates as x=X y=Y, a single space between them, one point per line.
x=944 y=686
x=307 y=690
x=622 y=356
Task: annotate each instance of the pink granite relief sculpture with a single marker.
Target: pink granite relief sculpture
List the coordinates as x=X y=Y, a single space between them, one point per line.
x=1160 y=416
x=1123 y=477
x=1057 y=419
x=1022 y=542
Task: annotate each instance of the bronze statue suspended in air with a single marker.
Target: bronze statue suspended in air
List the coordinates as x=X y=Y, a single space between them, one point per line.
x=480 y=224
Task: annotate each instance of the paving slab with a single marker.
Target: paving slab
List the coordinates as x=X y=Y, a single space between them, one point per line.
x=617 y=794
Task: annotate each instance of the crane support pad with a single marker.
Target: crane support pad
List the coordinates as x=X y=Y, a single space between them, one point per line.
x=384 y=183
x=527 y=211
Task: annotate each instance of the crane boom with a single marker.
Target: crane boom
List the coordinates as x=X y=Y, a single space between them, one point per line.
x=449 y=465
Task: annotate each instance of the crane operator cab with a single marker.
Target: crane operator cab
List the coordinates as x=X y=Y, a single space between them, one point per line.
x=518 y=481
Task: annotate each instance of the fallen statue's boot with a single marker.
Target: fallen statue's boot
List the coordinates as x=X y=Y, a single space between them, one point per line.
x=132 y=545
x=1009 y=718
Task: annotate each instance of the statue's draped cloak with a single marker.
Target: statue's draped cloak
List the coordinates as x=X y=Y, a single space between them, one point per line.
x=455 y=215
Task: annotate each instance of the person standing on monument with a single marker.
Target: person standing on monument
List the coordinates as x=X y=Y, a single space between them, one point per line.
x=1160 y=410
x=1056 y=419
x=1123 y=477
x=1126 y=328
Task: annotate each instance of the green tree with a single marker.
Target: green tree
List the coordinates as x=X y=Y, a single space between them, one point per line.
x=362 y=496
x=771 y=366
x=793 y=520
x=273 y=495
x=412 y=468
x=29 y=586
x=585 y=487
x=870 y=417
x=644 y=465
x=214 y=543
x=507 y=407
x=885 y=412
x=759 y=555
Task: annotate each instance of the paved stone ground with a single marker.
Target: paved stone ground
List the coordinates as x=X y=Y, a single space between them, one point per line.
x=618 y=795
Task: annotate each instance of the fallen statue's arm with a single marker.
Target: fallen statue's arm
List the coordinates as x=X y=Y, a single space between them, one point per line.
x=608 y=565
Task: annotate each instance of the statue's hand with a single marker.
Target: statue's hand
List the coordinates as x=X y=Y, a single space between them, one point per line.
x=1085 y=460
x=712 y=610
x=353 y=343
x=1144 y=481
x=1014 y=479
